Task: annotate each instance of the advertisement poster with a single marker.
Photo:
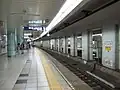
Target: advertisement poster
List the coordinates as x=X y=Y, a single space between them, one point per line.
x=108 y=60
x=108 y=46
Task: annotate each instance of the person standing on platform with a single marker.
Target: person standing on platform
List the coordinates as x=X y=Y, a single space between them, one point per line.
x=22 y=48
x=18 y=48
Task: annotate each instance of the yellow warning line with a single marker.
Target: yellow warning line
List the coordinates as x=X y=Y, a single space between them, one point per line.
x=53 y=83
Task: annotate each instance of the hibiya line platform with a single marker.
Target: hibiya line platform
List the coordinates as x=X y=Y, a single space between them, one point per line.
x=34 y=71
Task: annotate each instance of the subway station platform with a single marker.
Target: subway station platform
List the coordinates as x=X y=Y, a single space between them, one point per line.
x=67 y=44
x=34 y=70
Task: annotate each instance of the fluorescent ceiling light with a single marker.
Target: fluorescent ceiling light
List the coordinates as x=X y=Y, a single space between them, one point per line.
x=36 y=21
x=97 y=35
x=26 y=37
x=79 y=37
x=68 y=6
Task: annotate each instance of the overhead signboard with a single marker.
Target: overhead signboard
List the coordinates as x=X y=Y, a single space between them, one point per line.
x=34 y=28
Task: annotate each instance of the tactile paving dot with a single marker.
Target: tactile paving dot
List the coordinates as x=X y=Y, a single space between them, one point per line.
x=21 y=81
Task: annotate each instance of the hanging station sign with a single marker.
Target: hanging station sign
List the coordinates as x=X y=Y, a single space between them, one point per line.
x=34 y=28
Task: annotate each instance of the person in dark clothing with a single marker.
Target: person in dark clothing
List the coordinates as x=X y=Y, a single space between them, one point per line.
x=18 y=48
x=29 y=45
x=22 y=48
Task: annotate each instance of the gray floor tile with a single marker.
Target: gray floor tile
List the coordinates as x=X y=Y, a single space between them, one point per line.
x=43 y=84
x=32 y=77
x=31 y=85
x=18 y=89
x=31 y=89
x=22 y=78
x=32 y=81
x=19 y=86
x=43 y=88
x=44 y=80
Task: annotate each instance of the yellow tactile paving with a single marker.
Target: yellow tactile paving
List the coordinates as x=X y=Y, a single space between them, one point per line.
x=52 y=80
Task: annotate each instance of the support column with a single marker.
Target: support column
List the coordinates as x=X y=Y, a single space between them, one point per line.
x=4 y=12
x=11 y=48
x=76 y=46
x=0 y=43
x=58 y=44
x=55 y=44
x=20 y=35
x=118 y=47
x=90 y=45
x=85 y=45
x=51 y=44
x=11 y=36
x=73 y=41
x=15 y=39
x=64 y=45
x=109 y=53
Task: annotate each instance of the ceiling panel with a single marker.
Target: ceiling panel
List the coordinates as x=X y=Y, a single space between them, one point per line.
x=47 y=9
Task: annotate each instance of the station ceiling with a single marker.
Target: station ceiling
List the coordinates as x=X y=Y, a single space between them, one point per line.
x=96 y=20
x=21 y=10
x=36 y=9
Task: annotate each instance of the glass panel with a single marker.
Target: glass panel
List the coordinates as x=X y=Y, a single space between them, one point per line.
x=97 y=45
x=79 y=46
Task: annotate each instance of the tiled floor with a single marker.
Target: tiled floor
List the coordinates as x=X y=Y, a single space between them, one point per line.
x=10 y=69
x=29 y=72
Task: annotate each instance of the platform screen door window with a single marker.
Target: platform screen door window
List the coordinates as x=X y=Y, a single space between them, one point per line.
x=68 y=46
x=0 y=47
x=79 y=46
x=97 y=45
x=57 y=44
x=61 y=45
x=95 y=49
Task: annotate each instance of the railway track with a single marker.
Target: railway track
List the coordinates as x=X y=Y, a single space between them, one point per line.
x=93 y=82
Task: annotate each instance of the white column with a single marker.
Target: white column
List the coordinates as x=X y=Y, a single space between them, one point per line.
x=73 y=45
x=58 y=44
x=64 y=45
x=55 y=44
x=90 y=47
x=20 y=34
x=118 y=47
x=51 y=44
x=76 y=46
x=85 y=45
x=109 y=45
